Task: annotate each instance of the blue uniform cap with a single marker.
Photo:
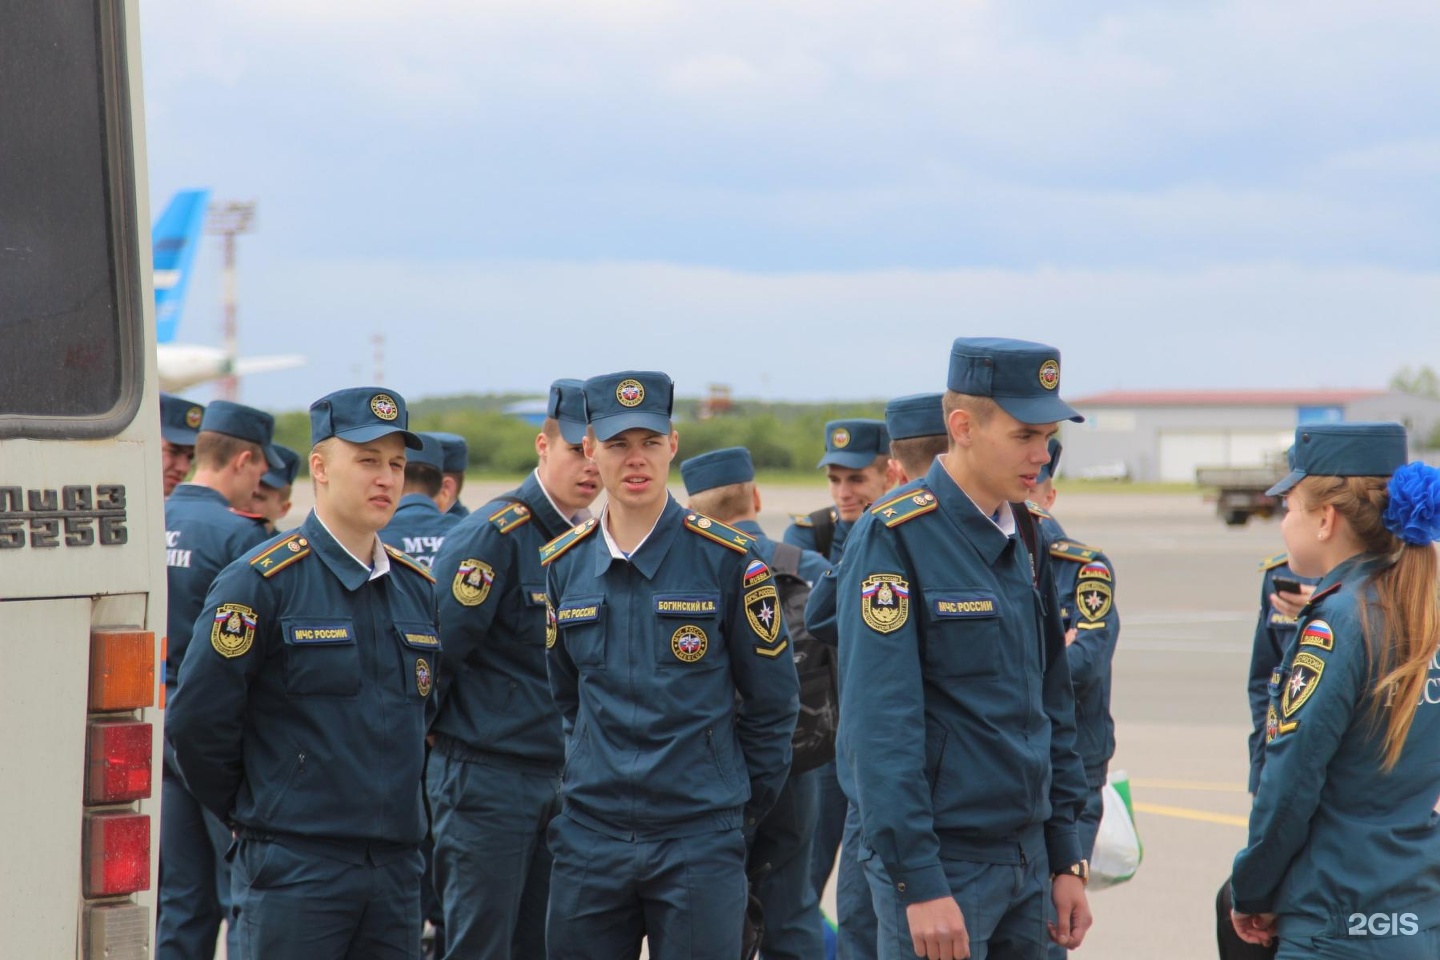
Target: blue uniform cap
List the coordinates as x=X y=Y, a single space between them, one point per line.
x=431 y=452
x=854 y=444
x=457 y=451
x=567 y=407
x=243 y=423
x=279 y=479
x=359 y=415
x=1022 y=377
x=1345 y=450
x=1047 y=472
x=918 y=415
x=718 y=468
x=180 y=419
x=617 y=402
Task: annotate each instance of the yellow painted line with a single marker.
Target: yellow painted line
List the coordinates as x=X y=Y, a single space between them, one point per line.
x=1185 y=813
x=1208 y=785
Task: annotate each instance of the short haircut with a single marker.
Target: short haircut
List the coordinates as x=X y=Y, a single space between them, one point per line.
x=981 y=409
x=725 y=503
x=422 y=478
x=916 y=453
x=214 y=450
x=551 y=428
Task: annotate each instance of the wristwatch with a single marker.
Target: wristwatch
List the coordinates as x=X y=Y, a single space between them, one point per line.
x=1079 y=869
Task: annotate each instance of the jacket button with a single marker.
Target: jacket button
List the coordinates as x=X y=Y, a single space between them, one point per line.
x=750 y=821
x=900 y=886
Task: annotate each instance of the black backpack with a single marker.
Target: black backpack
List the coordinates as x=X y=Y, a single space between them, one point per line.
x=813 y=744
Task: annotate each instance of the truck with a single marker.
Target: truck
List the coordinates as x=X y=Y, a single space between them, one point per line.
x=82 y=576
x=1239 y=492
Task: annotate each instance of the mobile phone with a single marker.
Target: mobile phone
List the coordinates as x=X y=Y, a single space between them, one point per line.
x=1286 y=584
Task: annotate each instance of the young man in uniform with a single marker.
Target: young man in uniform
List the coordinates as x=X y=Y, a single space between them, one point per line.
x=179 y=424
x=419 y=526
x=457 y=458
x=494 y=774
x=1085 y=584
x=721 y=485
x=207 y=526
x=957 y=716
x=303 y=700
x=272 y=497
x=677 y=692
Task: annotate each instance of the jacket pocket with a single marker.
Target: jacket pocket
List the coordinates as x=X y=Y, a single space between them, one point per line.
x=322 y=657
x=581 y=624
x=419 y=658
x=687 y=631
x=965 y=635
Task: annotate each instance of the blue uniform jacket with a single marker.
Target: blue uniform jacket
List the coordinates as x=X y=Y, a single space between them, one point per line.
x=1273 y=633
x=302 y=702
x=957 y=715
x=458 y=510
x=801 y=533
x=418 y=528
x=1330 y=835
x=1085 y=584
x=812 y=565
x=495 y=693
x=202 y=536
x=647 y=660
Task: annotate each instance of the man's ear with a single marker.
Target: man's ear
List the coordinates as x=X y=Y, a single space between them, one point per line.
x=960 y=424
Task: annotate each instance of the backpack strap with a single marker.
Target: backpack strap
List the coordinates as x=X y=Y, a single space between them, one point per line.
x=824 y=526
x=1025 y=525
x=786 y=559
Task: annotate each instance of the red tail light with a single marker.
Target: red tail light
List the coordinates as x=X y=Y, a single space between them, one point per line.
x=117 y=854
x=119 y=756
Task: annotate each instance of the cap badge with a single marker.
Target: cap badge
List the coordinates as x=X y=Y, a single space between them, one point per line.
x=193 y=416
x=384 y=406
x=1050 y=374
x=840 y=438
x=689 y=643
x=630 y=393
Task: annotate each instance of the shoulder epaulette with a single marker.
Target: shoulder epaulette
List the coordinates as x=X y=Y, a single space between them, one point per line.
x=1067 y=550
x=281 y=555
x=721 y=533
x=1319 y=595
x=801 y=520
x=1038 y=510
x=907 y=506
x=1270 y=563
x=509 y=517
x=566 y=540
x=405 y=560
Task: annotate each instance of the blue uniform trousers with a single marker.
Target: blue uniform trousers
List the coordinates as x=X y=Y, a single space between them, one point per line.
x=686 y=895
x=1086 y=827
x=1004 y=905
x=856 y=930
x=491 y=861
x=297 y=904
x=783 y=841
x=830 y=826
x=1424 y=945
x=194 y=895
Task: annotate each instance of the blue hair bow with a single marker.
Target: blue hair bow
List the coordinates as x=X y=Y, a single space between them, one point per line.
x=1413 y=513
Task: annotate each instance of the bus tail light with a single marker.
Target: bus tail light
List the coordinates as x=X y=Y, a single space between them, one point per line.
x=117 y=854
x=117 y=931
x=122 y=670
x=119 y=756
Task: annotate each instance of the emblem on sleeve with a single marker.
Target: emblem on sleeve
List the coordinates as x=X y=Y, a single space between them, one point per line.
x=1093 y=593
x=1050 y=374
x=552 y=626
x=755 y=573
x=762 y=609
x=422 y=677
x=1305 y=671
x=472 y=582
x=234 y=630
x=384 y=406
x=1272 y=724
x=1317 y=633
x=689 y=643
x=884 y=602
x=630 y=393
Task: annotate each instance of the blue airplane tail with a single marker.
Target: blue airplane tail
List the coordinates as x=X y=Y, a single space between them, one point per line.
x=175 y=239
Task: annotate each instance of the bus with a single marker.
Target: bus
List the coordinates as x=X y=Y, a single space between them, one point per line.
x=82 y=577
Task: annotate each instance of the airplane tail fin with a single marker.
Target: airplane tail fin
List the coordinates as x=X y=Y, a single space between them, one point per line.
x=175 y=239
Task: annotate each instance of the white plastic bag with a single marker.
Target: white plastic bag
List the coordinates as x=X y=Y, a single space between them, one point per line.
x=1118 y=850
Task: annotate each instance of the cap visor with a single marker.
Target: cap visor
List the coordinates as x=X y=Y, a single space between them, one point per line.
x=572 y=431
x=272 y=457
x=849 y=460
x=1038 y=409
x=376 y=431
x=607 y=427
x=180 y=436
x=275 y=481
x=1287 y=484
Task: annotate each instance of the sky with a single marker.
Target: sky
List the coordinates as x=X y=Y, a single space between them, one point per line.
x=806 y=199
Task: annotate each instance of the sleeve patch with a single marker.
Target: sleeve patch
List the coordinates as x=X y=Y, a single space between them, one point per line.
x=472 y=582
x=1317 y=633
x=1305 y=672
x=1093 y=594
x=756 y=573
x=884 y=602
x=762 y=609
x=233 y=633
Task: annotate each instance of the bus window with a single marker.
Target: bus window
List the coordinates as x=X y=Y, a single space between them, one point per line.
x=70 y=307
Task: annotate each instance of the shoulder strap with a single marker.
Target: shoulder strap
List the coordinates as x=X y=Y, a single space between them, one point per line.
x=787 y=559
x=824 y=530
x=535 y=515
x=1025 y=524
